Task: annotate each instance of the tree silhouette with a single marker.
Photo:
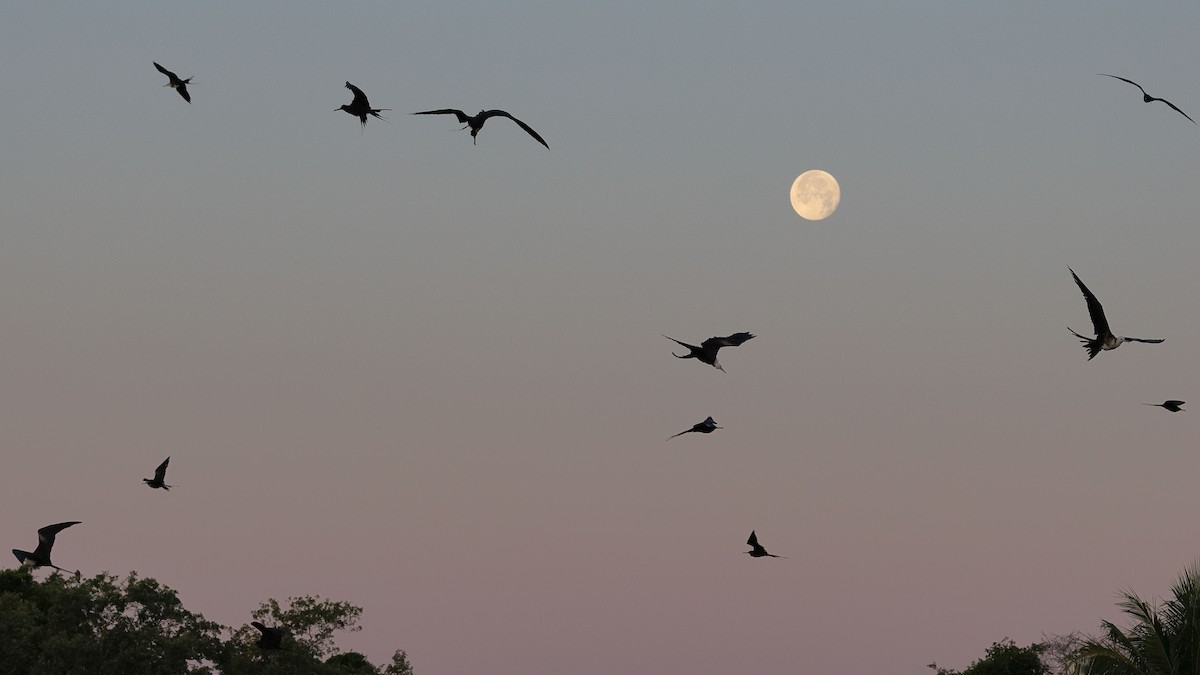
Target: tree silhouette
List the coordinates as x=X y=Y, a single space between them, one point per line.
x=1004 y=658
x=1163 y=638
x=100 y=626
x=107 y=626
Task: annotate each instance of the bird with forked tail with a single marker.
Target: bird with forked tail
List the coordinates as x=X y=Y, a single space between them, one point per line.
x=160 y=477
x=707 y=351
x=175 y=82
x=40 y=556
x=476 y=123
x=705 y=427
x=1172 y=405
x=1104 y=340
x=360 y=107
x=756 y=549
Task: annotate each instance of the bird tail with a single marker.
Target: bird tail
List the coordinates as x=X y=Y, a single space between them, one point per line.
x=1092 y=345
x=690 y=347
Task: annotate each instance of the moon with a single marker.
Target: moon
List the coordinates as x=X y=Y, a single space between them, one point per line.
x=815 y=195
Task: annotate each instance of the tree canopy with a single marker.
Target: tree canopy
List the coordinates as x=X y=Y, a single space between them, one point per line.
x=1162 y=639
x=107 y=626
x=1004 y=658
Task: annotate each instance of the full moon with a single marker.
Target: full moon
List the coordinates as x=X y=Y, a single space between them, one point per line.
x=815 y=195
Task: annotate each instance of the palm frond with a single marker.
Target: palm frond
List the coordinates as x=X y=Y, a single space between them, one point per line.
x=1163 y=637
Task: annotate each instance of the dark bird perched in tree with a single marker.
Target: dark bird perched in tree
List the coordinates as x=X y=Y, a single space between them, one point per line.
x=1149 y=99
x=160 y=476
x=41 y=555
x=707 y=351
x=1173 y=406
x=176 y=83
x=705 y=427
x=757 y=551
x=1104 y=339
x=360 y=108
x=476 y=123
x=272 y=636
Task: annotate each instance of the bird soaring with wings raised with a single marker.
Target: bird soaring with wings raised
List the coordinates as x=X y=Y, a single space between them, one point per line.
x=707 y=351
x=160 y=476
x=1173 y=406
x=705 y=427
x=1148 y=98
x=272 y=637
x=176 y=83
x=360 y=108
x=756 y=550
x=1104 y=340
x=40 y=557
x=476 y=123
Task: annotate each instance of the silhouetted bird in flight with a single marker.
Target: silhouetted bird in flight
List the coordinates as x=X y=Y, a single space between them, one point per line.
x=707 y=351
x=176 y=83
x=272 y=637
x=705 y=427
x=1148 y=98
x=360 y=108
x=1173 y=406
x=41 y=555
x=1104 y=339
x=757 y=551
x=160 y=476
x=476 y=123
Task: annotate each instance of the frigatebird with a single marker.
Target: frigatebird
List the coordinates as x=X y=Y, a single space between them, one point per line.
x=707 y=351
x=705 y=427
x=160 y=476
x=1147 y=98
x=757 y=551
x=176 y=83
x=1104 y=339
x=360 y=108
x=1173 y=406
x=476 y=123
x=40 y=557
x=272 y=636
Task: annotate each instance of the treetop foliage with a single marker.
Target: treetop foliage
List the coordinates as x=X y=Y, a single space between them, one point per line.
x=107 y=626
x=1004 y=658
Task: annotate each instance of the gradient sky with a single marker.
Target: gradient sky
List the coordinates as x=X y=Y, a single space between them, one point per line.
x=426 y=377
